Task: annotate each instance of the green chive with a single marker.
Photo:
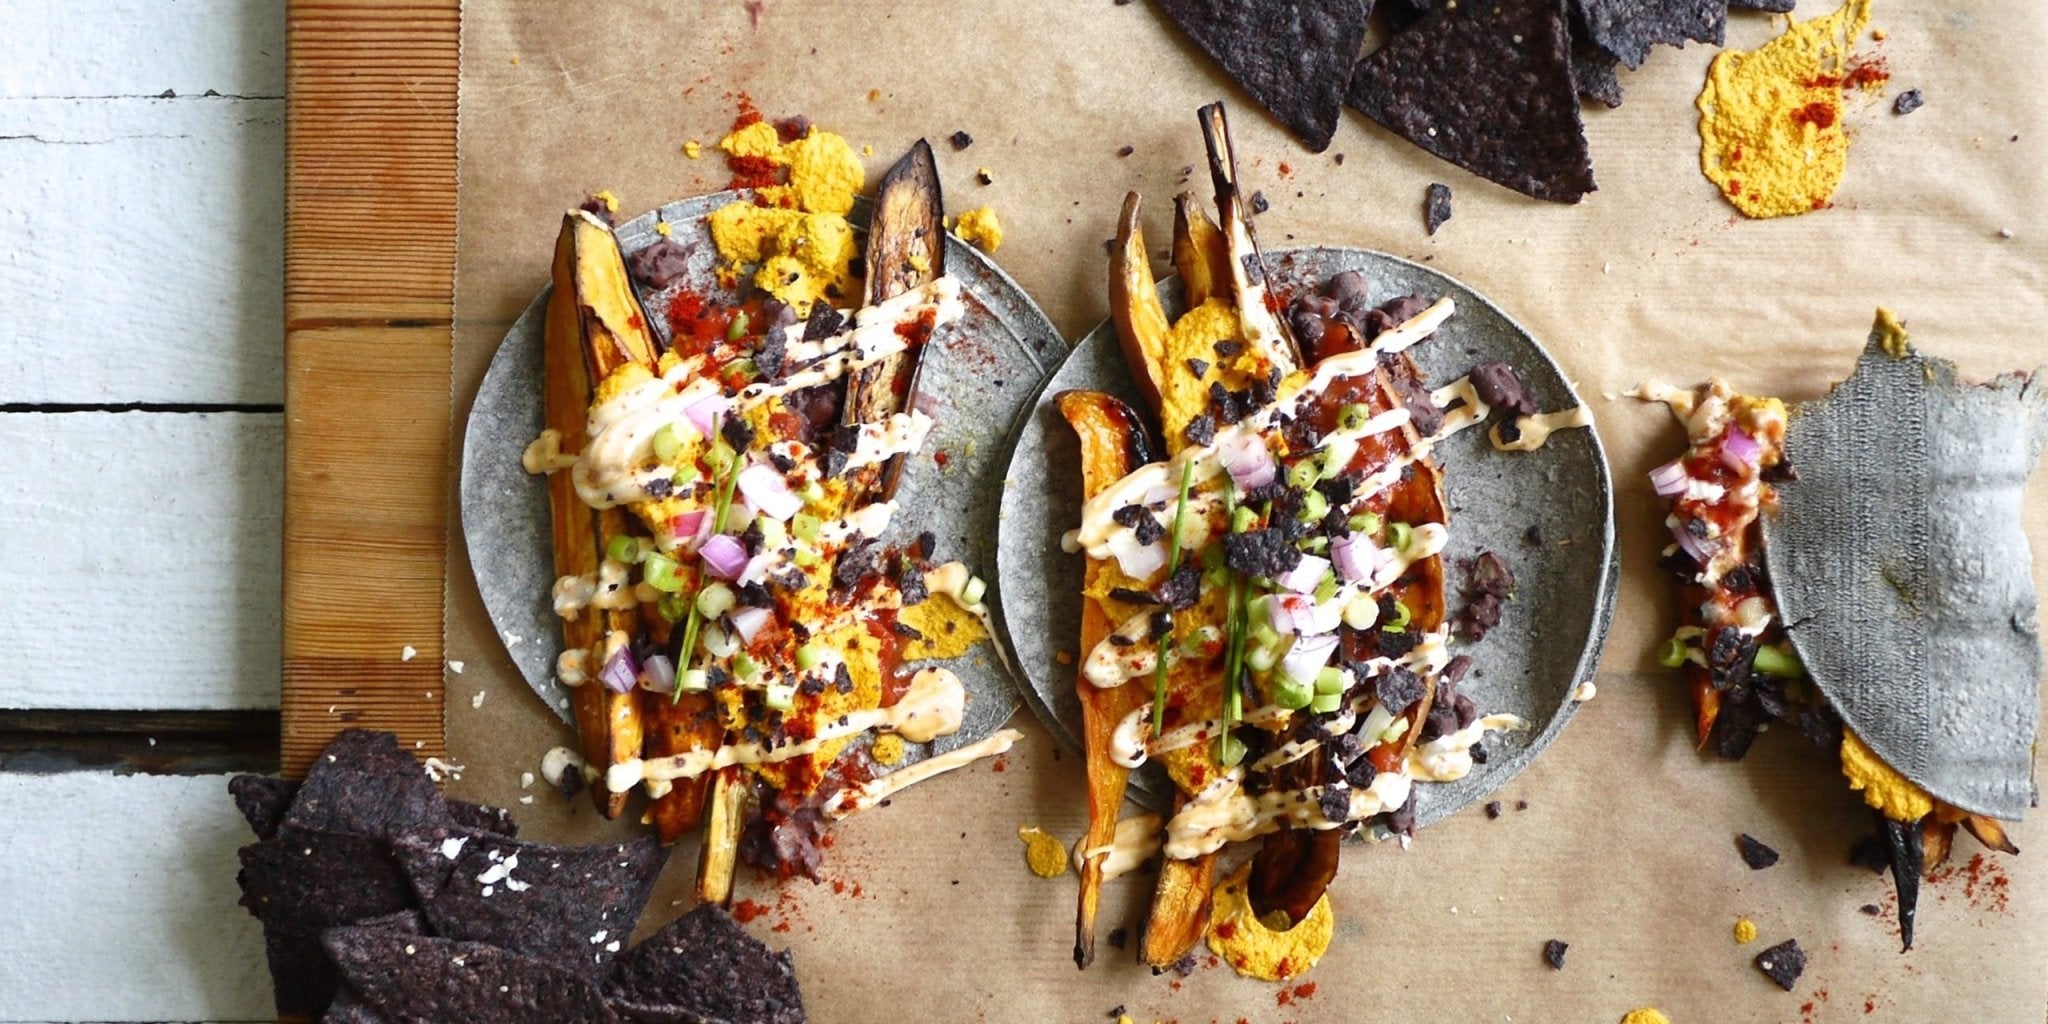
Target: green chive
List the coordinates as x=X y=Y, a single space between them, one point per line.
x=1365 y=522
x=1399 y=534
x=1290 y=693
x=1673 y=651
x=1326 y=703
x=1400 y=620
x=1303 y=474
x=1242 y=520
x=1778 y=660
x=1180 y=521
x=1314 y=506
x=623 y=549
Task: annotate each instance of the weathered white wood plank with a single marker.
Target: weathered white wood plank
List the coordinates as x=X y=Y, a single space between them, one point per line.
x=144 y=254
x=142 y=47
x=121 y=902
x=139 y=560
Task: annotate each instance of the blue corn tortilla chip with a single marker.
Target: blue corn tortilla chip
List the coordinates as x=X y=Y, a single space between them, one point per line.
x=263 y=801
x=363 y=784
x=349 y=1008
x=298 y=883
x=483 y=818
x=703 y=967
x=1292 y=58
x=1487 y=87
x=573 y=907
x=414 y=979
x=1593 y=73
x=1772 y=6
x=1628 y=28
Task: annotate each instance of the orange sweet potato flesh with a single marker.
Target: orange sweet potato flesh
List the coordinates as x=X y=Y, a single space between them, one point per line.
x=1199 y=255
x=593 y=327
x=1112 y=445
x=1134 y=307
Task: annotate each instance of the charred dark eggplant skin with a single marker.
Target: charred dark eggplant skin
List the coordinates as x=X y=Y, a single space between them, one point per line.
x=906 y=249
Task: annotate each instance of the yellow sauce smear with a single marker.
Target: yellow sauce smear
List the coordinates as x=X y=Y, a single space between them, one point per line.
x=1882 y=786
x=1745 y=931
x=1646 y=1015
x=1046 y=856
x=1257 y=951
x=980 y=228
x=1771 y=133
x=948 y=629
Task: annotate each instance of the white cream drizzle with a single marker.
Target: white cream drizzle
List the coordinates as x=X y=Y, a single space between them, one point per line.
x=933 y=706
x=879 y=441
x=874 y=791
x=1135 y=841
x=1534 y=431
x=545 y=455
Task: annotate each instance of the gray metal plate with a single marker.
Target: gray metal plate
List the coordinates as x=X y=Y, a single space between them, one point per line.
x=1548 y=640
x=1903 y=574
x=979 y=375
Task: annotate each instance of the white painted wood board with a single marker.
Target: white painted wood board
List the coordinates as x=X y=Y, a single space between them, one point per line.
x=145 y=250
x=139 y=561
x=121 y=902
x=103 y=48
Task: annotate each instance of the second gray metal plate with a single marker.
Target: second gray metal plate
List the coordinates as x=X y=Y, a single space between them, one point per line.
x=1548 y=641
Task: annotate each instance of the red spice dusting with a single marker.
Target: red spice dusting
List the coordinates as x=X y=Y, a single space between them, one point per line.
x=1985 y=883
x=1870 y=1005
x=1227 y=929
x=1285 y=968
x=1286 y=169
x=694 y=325
x=749 y=114
x=751 y=172
x=1735 y=155
x=1305 y=990
x=780 y=926
x=747 y=910
x=1284 y=997
x=941 y=459
x=1174 y=986
x=839 y=885
x=1820 y=114
x=1215 y=961
x=1735 y=186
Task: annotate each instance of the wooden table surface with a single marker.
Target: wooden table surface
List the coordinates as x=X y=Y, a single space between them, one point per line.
x=142 y=151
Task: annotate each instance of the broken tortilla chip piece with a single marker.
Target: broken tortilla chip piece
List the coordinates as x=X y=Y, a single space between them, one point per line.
x=1593 y=71
x=703 y=966
x=414 y=977
x=1487 y=87
x=570 y=906
x=1293 y=58
x=364 y=785
x=1628 y=28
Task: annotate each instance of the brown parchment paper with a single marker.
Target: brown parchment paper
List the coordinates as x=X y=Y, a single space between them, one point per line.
x=1626 y=847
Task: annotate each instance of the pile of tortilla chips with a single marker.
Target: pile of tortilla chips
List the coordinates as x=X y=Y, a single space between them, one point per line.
x=383 y=902
x=1490 y=85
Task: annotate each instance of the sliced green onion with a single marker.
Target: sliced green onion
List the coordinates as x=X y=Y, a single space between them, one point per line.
x=1326 y=703
x=695 y=680
x=1671 y=653
x=738 y=329
x=812 y=492
x=715 y=600
x=1303 y=474
x=673 y=607
x=1365 y=522
x=1353 y=418
x=685 y=476
x=660 y=573
x=778 y=696
x=1778 y=660
x=1330 y=680
x=623 y=549
x=1212 y=557
x=1400 y=620
x=668 y=443
x=745 y=667
x=1399 y=534
x=806 y=527
x=739 y=371
x=805 y=558
x=1263 y=634
x=1229 y=750
x=1262 y=658
x=1201 y=642
x=1314 y=506
x=1317 y=545
x=720 y=458
x=974 y=591
x=1326 y=589
x=1242 y=520
x=717 y=642
x=809 y=656
x=1361 y=612
x=773 y=533
x=1291 y=694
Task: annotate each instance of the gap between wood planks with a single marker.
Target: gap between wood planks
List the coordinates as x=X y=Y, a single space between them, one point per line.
x=144 y=742
x=173 y=407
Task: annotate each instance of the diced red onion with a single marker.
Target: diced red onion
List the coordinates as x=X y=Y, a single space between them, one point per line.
x=685 y=526
x=1670 y=478
x=1247 y=461
x=1739 y=451
x=1301 y=615
x=704 y=414
x=1356 y=556
x=757 y=568
x=723 y=556
x=619 y=674
x=747 y=622
x=1691 y=545
x=1307 y=657
x=1306 y=574
x=658 y=673
x=768 y=492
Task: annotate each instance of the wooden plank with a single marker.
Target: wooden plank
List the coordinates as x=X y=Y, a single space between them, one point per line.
x=144 y=255
x=369 y=290
x=139 y=563
x=142 y=47
x=121 y=901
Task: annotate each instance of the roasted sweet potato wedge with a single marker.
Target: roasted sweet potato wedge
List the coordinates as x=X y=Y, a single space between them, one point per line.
x=1113 y=443
x=594 y=326
x=1134 y=307
x=1199 y=255
x=906 y=249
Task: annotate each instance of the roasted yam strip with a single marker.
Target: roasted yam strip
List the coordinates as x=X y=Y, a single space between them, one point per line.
x=1180 y=908
x=675 y=724
x=1199 y=255
x=1989 y=832
x=594 y=326
x=1141 y=324
x=720 y=854
x=1113 y=443
x=1263 y=330
x=906 y=249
